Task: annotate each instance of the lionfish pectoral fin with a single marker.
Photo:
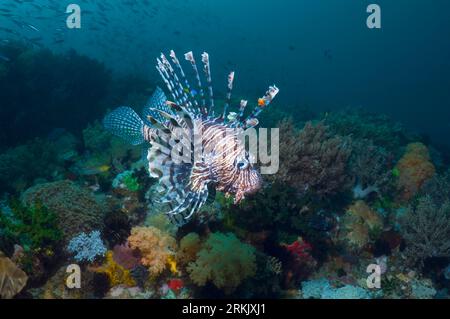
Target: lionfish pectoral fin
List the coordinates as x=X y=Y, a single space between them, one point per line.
x=125 y=123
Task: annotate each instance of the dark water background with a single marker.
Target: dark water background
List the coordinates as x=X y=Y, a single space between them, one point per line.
x=320 y=53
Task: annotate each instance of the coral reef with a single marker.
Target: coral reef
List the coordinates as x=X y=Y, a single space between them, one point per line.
x=155 y=247
x=426 y=230
x=312 y=161
x=224 y=261
x=371 y=169
x=414 y=168
x=45 y=87
x=87 y=247
x=22 y=165
x=34 y=227
x=76 y=208
x=378 y=128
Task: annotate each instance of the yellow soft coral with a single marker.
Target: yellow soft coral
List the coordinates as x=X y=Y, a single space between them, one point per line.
x=414 y=168
x=155 y=247
x=172 y=265
x=117 y=274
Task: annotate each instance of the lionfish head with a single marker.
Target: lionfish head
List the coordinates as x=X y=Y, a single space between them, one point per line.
x=248 y=180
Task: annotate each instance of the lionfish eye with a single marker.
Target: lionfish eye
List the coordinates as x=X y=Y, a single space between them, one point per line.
x=242 y=164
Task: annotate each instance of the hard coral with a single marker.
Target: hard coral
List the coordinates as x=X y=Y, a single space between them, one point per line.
x=415 y=168
x=371 y=168
x=155 y=247
x=76 y=208
x=312 y=161
x=426 y=230
x=224 y=261
x=87 y=247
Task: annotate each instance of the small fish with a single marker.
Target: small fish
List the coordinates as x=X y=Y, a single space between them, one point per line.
x=87 y=171
x=32 y=27
x=225 y=165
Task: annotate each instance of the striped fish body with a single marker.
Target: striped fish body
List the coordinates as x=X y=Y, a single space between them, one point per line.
x=191 y=151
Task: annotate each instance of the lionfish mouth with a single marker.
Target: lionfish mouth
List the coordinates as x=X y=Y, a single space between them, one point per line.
x=249 y=189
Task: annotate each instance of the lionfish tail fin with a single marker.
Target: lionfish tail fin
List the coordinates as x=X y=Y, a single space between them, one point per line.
x=125 y=123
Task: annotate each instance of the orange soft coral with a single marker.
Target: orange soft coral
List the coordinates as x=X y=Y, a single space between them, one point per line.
x=155 y=246
x=414 y=168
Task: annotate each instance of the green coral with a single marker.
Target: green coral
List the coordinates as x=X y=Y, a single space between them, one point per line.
x=223 y=260
x=131 y=183
x=33 y=227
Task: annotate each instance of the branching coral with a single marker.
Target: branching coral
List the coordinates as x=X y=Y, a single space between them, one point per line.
x=414 y=168
x=76 y=208
x=224 y=261
x=371 y=168
x=87 y=247
x=155 y=246
x=312 y=161
x=438 y=188
x=426 y=230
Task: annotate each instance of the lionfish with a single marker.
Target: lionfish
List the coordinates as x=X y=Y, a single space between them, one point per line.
x=216 y=157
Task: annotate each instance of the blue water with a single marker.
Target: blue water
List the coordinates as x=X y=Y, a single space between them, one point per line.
x=320 y=53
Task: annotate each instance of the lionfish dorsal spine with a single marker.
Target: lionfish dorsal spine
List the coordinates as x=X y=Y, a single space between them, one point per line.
x=207 y=70
x=230 y=81
x=189 y=56
x=191 y=97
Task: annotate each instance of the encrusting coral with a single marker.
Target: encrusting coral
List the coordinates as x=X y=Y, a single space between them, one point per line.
x=76 y=208
x=223 y=260
x=312 y=161
x=155 y=247
x=414 y=169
